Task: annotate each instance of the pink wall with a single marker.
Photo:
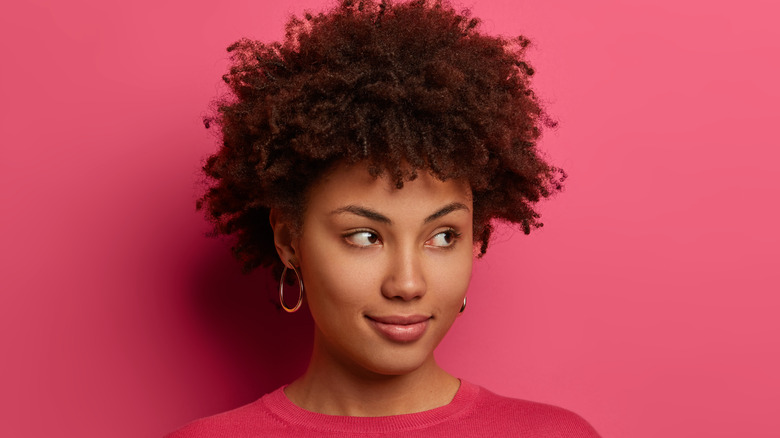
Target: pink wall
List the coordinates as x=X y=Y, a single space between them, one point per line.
x=648 y=304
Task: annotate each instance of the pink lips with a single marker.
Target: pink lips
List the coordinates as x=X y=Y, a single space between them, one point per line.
x=400 y=328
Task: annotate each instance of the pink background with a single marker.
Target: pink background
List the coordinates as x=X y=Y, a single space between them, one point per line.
x=648 y=303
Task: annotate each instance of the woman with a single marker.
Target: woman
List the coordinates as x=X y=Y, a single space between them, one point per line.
x=366 y=156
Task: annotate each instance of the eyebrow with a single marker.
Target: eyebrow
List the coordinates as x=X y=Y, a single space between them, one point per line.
x=447 y=209
x=379 y=217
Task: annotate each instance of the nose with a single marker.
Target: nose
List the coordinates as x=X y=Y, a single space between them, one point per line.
x=404 y=278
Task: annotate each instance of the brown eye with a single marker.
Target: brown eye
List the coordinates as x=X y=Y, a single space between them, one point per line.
x=362 y=238
x=444 y=239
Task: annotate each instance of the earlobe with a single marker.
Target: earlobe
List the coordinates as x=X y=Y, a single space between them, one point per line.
x=284 y=239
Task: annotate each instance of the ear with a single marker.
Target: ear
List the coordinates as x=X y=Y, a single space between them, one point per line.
x=284 y=238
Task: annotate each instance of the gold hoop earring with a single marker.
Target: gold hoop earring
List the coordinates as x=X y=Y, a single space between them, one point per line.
x=281 y=289
x=463 y=307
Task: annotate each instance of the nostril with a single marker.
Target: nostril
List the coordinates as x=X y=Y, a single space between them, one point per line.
x=406 y=289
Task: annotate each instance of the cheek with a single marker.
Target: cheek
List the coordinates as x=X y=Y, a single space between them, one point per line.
x=453 y=277
x=333 y=278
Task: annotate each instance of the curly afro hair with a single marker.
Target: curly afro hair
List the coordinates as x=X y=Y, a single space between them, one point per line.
x=401 y=87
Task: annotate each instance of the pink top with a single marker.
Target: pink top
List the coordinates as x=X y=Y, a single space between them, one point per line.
x=474 y=412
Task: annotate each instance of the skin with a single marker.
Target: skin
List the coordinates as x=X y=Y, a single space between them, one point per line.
x=368 y=250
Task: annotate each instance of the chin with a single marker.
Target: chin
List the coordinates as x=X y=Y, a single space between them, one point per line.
x=395 y=363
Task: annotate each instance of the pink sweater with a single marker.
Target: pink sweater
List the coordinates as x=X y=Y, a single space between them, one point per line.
x=474 y=412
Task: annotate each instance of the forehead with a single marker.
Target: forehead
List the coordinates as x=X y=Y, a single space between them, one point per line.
x=354 y=185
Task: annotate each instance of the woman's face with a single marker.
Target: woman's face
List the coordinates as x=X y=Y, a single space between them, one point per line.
x=385 y=269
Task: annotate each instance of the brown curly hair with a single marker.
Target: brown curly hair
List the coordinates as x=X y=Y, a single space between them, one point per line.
x=402 y=87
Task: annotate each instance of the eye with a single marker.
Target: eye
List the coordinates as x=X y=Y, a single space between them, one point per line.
x=444 y=239
x=362 y=238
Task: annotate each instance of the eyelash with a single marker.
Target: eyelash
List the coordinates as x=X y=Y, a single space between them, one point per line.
x=347 y=237
x=454 y=235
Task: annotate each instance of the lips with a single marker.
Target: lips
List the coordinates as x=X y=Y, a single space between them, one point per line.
x=399 y=328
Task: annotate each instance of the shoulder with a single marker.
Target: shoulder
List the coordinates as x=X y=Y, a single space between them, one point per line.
x=252 y=419
x=527 y=417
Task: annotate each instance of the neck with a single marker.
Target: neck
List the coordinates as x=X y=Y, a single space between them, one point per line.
x=333 y=388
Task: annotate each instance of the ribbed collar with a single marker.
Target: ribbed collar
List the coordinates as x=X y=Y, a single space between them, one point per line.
x=279 y=405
